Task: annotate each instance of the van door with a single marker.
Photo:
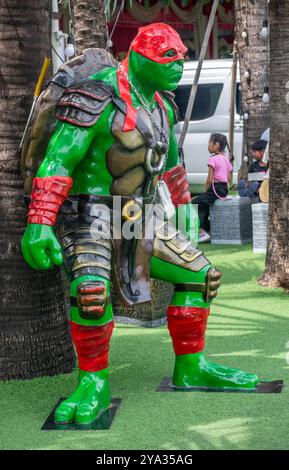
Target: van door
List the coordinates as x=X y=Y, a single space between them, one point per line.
x=204 y=120
x=210 y=114
x=238 y=132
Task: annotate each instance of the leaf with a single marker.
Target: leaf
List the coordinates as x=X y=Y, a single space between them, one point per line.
x=109 y=8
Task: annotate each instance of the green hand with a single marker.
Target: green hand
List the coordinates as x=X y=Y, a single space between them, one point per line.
x=40 y=248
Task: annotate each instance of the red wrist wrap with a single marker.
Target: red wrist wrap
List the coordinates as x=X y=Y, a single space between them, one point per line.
x=92 y=345
x=48 y=194
x=187 y=327
x=176 y=180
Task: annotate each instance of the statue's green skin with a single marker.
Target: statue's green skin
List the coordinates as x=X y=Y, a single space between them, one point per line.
x=80 y=153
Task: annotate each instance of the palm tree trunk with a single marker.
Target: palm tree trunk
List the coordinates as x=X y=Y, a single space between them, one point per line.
x=276 y=272
x=254 y=57
x=34 y=339
x=90 y=24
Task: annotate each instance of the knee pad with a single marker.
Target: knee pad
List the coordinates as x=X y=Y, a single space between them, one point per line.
x=209 y=288
x=213 y=281
x=92 y=299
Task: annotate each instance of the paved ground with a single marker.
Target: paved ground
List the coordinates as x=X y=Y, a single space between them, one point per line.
x=248 y=328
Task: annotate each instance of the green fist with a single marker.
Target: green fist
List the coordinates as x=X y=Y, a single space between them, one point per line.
x=40 y=247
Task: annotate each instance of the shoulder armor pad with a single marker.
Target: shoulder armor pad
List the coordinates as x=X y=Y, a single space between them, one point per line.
x=82 y=103
x=170 y=98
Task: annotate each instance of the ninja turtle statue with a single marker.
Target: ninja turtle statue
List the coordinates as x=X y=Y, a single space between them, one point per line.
x=114 y=138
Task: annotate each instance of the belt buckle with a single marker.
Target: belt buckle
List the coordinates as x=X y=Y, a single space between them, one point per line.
x=128 y=208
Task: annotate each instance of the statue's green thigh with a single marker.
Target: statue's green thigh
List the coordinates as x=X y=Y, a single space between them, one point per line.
x=176 y=260
x=174 y=274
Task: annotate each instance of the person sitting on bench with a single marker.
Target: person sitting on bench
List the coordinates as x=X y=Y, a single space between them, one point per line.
x=219 y=174
x=251 y=189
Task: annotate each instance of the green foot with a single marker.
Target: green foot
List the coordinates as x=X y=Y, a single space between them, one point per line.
x=91 y=398
x=193 y=370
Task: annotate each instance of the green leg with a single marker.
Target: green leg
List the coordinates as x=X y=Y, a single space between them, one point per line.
x=192 y=369
x=91 y=339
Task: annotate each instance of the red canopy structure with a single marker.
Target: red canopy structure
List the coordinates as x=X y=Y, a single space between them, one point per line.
x=188 y=17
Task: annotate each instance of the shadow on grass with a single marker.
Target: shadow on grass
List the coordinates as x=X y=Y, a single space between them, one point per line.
x=232 y=433
x=256 y=313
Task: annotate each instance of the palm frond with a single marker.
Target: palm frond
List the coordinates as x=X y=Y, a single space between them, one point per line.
x=110 y=7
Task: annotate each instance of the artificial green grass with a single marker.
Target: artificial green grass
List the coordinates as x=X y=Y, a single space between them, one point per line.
x=248 y=328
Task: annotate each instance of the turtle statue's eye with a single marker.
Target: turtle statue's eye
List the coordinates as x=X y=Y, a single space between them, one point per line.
x=170 y=53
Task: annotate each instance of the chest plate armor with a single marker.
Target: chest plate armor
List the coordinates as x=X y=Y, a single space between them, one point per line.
x=137 y=157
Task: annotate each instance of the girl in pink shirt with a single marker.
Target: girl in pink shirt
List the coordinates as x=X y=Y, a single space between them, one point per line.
x=219 y=174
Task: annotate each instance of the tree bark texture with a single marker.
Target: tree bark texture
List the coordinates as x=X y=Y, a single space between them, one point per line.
x=34 y=338
x=276 y=272
x=89 y=24
x=253 y=56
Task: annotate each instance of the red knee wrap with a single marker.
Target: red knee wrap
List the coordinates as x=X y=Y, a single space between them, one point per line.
x=187 y=327
x=48 y=194
x=176 y=180
x=92 y=345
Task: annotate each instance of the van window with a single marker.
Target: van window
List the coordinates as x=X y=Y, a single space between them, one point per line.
x=206 y=101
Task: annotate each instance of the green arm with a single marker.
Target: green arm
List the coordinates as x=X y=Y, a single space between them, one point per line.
x=66 y=149
x=173 y=154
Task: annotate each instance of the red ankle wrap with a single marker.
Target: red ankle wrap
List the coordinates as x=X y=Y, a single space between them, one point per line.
x=176 y=180
x=187 y=327
x=48 y=194
x=92 y=345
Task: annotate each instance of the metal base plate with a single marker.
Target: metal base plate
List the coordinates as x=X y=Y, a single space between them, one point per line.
x=103 y=421
x=263 y=387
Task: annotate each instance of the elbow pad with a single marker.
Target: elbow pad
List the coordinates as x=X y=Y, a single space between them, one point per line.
x=176 y=180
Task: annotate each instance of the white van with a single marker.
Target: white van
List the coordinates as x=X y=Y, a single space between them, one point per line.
x=210 y=114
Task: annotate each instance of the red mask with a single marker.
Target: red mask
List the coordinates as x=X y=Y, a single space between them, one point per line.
x=154 y=40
